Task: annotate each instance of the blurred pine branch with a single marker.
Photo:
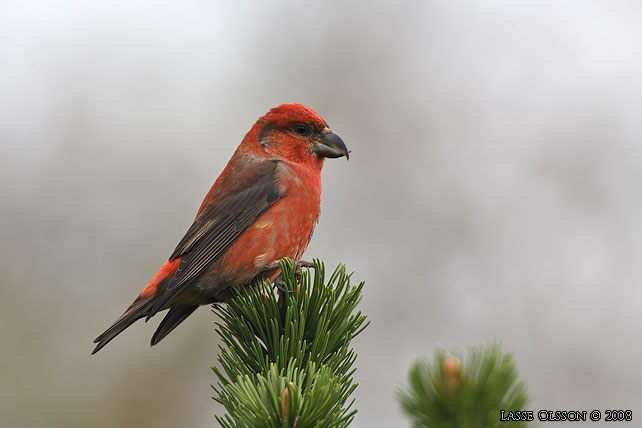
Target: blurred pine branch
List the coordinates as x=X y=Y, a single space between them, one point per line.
x=469 y=392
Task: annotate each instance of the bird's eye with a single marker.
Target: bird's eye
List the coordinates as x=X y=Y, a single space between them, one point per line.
x=302 y=129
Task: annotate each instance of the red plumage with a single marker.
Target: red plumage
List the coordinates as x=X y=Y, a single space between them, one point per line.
x=262 y=207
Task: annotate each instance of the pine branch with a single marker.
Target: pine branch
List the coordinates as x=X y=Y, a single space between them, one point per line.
x=449 y=393
x=287 y=358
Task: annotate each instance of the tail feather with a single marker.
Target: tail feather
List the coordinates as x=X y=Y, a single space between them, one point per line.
x=174 y=317
x=136 y=311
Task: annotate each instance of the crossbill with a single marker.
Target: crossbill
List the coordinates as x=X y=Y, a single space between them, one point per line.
x=262 y=207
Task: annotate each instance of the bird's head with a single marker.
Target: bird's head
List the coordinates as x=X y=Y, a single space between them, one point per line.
x=295 y=133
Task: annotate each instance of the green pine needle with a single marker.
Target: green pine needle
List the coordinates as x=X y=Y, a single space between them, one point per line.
x=464 y=392
x=297 y=342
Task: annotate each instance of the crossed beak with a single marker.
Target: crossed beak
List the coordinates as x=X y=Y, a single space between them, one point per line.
x=330 y=145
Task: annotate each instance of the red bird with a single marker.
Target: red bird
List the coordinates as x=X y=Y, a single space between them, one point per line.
x=262 y=207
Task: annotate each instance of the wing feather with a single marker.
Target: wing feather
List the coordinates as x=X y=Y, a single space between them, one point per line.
x=218 y=225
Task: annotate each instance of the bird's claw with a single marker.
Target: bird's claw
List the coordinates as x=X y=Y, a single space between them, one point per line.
x=278 y=282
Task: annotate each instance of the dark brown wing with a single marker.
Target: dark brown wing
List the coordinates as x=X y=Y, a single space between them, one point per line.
x=219 y=224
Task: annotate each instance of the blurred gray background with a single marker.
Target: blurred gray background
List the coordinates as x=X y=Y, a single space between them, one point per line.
x=493 y=191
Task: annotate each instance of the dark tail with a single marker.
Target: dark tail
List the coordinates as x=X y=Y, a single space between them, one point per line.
x=174 y=317
x=136 y=311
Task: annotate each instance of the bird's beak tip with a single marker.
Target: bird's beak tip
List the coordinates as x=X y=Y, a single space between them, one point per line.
x=330 y=145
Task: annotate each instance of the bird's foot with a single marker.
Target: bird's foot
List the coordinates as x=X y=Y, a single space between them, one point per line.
x=278 y=282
